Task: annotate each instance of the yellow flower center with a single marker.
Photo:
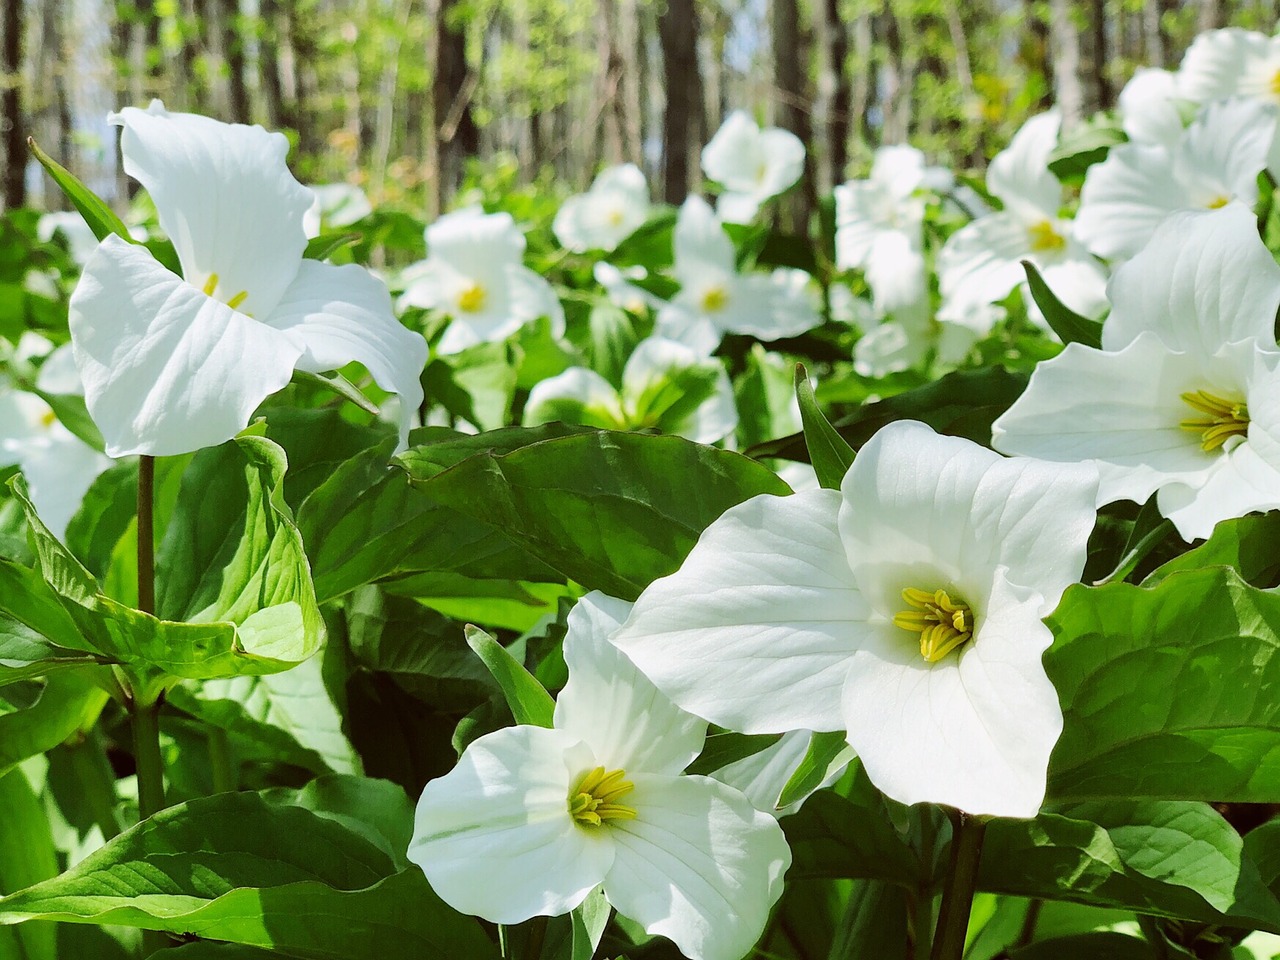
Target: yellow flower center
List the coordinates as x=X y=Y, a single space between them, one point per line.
x=472 y=298
x=943 y=623
x=48 y=419
x=1275 y=84
x=1221 y=200
x=211 y=285
x=614 y=217
x=1044 y=238
x=1221 y=418
x=714 y=299
x=595 y=798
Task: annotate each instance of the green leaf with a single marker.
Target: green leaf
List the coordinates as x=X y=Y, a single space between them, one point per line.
x=589 y=920
x=263 y=870
x=68 y=704
x=1163 y=690
x=528 y=700
x=830 y=455
x=1066 y=323
x=962 y=404
x=340 y=385
x=1095 y=946
x=327 y=244
x=1084 y=146
x=613 y=511
x=27 y=856
x=1246 y=544
x=827 y=752
x=100 y=217
x=377 y=810
x=875 y=920
x=724 y=747
x=71 y=412
x=108 y=509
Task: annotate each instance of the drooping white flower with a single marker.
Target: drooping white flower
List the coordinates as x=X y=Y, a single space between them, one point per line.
x=172 y=364
x=1216 y=160
x=716 y=299
x=532 y=819
x=475 y=273
x=335 y=205
x=904 y=609
x=1183 y=399
x=982 y=261
x=608 y=213
x=751 y=164
x=58 y=465
x=879 y=226
x=665 y=385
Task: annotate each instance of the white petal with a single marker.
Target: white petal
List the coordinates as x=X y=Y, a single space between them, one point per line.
x=762 y=776
x=577 y=395
x=343 y=314
x=1205 y=279
x=58 y=373
x=735 y=155
x=166 y=369
x=1149 y=107
x=698 y=865
x=753 y=632
x=734 y=207
x=475 y=243
x=1075 y=278
x=1125 y=197
x=1217 y=62
x=700 y=242
x=896 y=271
x=973 y=730
x=494 y=835
x=1225 y=149
x=677 y=321
x=900 y=168
x=609 y=705
x=533 y=297
x=927 y=511
x=979 y=263
x=225 y=198
x=1019 y=175
x=60 y=468
x=1241 y=482
x=784 y=160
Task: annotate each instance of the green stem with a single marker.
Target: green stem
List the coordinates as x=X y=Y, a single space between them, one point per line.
x=150 y=766
x=221 y=763
x=146 y=535
x=922 y=923
x=957 y=897
x=1027 y=932
x=1137 y=553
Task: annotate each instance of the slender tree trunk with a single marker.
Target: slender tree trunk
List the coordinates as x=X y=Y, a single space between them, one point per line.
x=678 y=33
x=860 y=91
x=1104 y=90
x=457 y=136
x=11 y=106
x=1157 y=43
x=269 y=65
x=1210 y=16
x=1065 y=41
x=630 y=105
x=791 y=106
x=835 y=93
x=240 y=110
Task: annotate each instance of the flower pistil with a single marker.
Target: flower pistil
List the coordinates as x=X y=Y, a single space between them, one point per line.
x=595 y=798
x=943 y=623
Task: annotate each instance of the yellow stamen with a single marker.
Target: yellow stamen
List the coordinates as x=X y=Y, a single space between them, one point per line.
x=211 y=285
x=714 y=299
x=49 y=419
x=1222 y=420
x=595 y=798
x=1275 y=84
x=1044 y=237
x=238 y=299
x=1221 y=200
x=614 y=217
x=943 y=623
x=472 y=298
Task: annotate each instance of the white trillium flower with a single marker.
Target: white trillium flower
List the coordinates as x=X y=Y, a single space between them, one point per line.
x=1184 y=396
x=982 y=261
x=904 y=609
x=622 y=292
x=608 y=213
x=880 y=226
x=533 y=819
x=1216 y=160
x=715 y=299
x=475 y=273
x=335 y=205
x=1150 y=108
x=172 y=364
x=751 y=164
x=664 y=385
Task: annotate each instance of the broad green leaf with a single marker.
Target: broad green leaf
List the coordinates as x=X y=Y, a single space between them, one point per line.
x=475 y=385
x=1095 y=946
x=1246 y=544
x=613 y=511
x=209 y=950
x=69 y=703
x=1164 y=690
x=100 y=217
x=724 y=747
x=27 y=856
x=1084 y=146
x=340 y=385
x=765 y=394
x=327 y=244
x=589 y=920
x=528 y=700
x=613 y=338
x=830 y=455
x=827 y=752
x=963 y=404
x=109 y=508
x=1065 y=322
x=377 y=810
x=262 y=870
x=875 y=923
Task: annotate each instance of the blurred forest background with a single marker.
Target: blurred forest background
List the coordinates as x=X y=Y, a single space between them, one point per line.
x=398 y=96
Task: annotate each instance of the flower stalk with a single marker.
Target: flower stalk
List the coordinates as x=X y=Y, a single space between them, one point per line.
x=957 y=897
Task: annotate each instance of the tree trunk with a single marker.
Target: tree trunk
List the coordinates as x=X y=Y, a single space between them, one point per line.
x=1156 y=40
x=1065 y=41
x=11 y=106
x=860 y=91
x=1210 y=16
x=835 y=93
x=678 y=33
x=457 y=136
x=1103 y=89
x=239 y=109
x=269 y=66
x=791 y=106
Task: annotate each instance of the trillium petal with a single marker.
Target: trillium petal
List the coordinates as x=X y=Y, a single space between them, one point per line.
x=577 y=395
x=896 y=271
x=1075 y=278
x=700 y=243
x=918 y=507
x=166 y=369
x=735 y=207
x=754 y=631
x=611 y=706
x=475 y=243
x=1239 y=483
x=494 y=835
x=1125 y=197
x=734 y=156
x=1121 y=410
x=784 y=161
x=1225 y=149
x=979 y=263
x=532 y=297
x=224 y=197
x=678 y=321
x=1019 y=175
x=973 y=730
x=1149 y=107
x=1205 y=279
x=343 y=314
x=60 y=468
x=698 y=865
x=1217 y=61
x=900 y=168
x=762 y=776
